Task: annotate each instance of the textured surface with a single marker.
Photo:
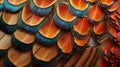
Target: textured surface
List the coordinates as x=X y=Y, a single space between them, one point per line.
x=60 y=33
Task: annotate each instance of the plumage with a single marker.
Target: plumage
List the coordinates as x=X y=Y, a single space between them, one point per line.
x=59 y=33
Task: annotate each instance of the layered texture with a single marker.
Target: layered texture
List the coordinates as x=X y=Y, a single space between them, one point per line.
x=60 y=33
